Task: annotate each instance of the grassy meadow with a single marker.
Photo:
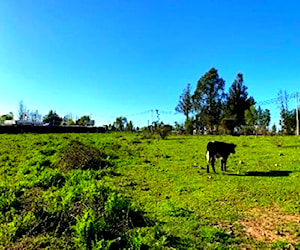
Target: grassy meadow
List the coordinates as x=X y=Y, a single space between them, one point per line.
x=137 y=191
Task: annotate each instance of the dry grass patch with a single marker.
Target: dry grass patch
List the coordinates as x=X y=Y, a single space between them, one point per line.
x=271 y=225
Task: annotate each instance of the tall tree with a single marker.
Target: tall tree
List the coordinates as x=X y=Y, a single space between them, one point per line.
x=238 y=102
x=35 y=116
x=120 y=123
x=267 y=118
x=22 y=112
x=257 y=120
x=53 y=118
x=288 y=118
x=129 y=126
x=25 y=114
x=251 y=116
x=263 y=117
x=185 y=104
x=208 y=99
x=288 y=121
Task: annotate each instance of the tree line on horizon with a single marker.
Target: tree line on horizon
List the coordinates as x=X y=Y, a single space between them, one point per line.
x=209 y=109
x=52 y=118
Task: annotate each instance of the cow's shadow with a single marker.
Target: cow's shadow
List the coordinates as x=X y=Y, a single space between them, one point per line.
x=271 y=173
x=291 y=146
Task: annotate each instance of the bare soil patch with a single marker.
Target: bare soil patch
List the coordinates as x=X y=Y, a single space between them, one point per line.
x=271 y=225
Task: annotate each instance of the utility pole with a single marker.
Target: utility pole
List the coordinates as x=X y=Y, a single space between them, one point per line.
x=157 y=113
x=297 y=115
x=151 y=116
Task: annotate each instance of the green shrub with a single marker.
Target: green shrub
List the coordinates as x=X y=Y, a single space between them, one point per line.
x=164 y=131
x=280 y=245
x=49 y=177
x=116 y=206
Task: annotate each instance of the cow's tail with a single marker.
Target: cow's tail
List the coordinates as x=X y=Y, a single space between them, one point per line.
x=207 y=156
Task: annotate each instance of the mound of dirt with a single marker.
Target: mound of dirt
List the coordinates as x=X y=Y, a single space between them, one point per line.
x=77 y=155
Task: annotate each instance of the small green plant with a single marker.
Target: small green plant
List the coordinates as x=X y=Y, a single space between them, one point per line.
x=88 y=231
x=136 y=241
x=280 y=245
x=212 y=235
x=116 y=206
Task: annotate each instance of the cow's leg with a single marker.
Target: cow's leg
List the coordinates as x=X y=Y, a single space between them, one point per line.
x=213 y=164
x=223 y=162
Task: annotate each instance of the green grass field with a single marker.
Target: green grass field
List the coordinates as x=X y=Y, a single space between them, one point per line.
x=110 y=191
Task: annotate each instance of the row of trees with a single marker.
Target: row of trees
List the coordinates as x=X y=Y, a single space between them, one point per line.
x=209 y=108
x=120 y=124
x=51 y=118
x=54 y=119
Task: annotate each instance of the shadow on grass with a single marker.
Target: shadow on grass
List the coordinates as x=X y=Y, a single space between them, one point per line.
x=290 y=146
x=177 y=138
x=271 y=173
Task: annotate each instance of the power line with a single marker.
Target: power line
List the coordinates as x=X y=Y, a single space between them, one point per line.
x=277 y=99
x=140 y=113
x=166 y=112
x=286 y=97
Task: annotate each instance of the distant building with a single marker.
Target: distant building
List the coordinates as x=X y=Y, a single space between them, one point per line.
x=9 y=122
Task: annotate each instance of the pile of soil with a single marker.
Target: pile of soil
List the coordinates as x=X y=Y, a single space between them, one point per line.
x=77 y=155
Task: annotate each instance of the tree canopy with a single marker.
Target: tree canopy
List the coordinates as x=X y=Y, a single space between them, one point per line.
x=9 y=116
x=234 y=112
x=185 y=104
x=208 y=99
x=85 y=121
x=120 y=123
x=52 y=118
x=237 y=102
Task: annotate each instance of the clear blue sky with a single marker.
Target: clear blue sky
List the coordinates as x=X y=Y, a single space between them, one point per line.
x=109 y=58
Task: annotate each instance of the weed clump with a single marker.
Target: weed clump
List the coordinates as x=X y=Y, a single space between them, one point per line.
x=77 y=155
x=83 y=214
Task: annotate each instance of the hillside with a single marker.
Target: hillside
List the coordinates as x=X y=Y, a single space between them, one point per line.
x=108 y=191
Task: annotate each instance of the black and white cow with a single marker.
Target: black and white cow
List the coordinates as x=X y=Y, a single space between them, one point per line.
x=216 y=149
